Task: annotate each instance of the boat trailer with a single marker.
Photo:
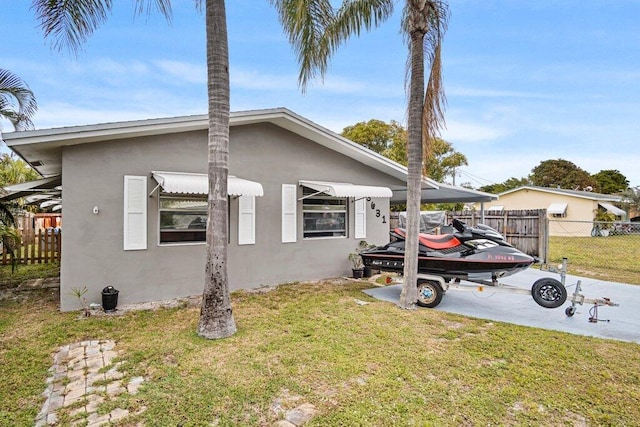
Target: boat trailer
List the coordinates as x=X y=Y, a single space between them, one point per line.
x=546 y=292
x=577 y=298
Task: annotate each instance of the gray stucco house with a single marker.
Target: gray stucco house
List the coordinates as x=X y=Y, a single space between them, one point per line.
x=301 y=198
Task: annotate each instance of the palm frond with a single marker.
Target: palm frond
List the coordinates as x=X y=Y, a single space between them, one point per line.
x=11 y=239
x=354 y=16
x=316 y=30
x=162 y=6
x=70 y=23
x=304 y=22
x=14 y=92
x=6 y=216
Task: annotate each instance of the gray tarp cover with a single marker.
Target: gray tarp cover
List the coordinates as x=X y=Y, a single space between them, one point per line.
x=429 y=220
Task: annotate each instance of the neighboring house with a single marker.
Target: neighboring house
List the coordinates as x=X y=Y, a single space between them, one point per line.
x=134 y=202
x=563 y=206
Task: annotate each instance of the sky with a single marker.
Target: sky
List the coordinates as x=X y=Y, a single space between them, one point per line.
x=525 y=81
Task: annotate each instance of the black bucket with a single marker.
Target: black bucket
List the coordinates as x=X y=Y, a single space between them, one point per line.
x=109 y=298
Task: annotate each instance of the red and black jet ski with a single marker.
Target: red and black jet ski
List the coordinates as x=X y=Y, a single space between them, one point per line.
x=470 y=253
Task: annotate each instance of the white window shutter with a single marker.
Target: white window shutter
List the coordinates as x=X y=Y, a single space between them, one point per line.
x=135 y=212
x=289 y=207
x=360 y=219
x=246 y=220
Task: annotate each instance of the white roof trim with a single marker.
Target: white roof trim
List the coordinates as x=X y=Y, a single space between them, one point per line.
x=198 y=183
x=340 y=189
x=564 y=192
x=613 y=209
x=496 y=208
x=557 y=208
x=46 y=144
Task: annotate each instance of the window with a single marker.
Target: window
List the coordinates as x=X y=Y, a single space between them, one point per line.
x=323 y=216
x=183 y=219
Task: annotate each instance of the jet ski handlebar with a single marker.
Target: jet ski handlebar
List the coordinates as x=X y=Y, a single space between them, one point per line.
x=459 y=225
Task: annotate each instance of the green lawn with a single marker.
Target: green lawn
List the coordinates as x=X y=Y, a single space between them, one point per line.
x=26 y=272
x=360 y=365
x=613 y=258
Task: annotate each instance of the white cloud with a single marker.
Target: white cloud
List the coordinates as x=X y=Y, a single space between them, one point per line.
x=253 y=80
x=185 y=71
x=465 y=132
x=495 y=93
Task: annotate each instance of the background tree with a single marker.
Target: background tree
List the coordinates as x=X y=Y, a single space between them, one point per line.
x=17 y=102
x=611 y=181
x=509 y=184
x=562 y=174
x=15 y=171
x=443 y=160
x=388 y=139
x=12 y=171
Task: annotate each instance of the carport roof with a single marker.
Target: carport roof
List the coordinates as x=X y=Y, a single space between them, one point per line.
x=445 y=193
x=24 y=189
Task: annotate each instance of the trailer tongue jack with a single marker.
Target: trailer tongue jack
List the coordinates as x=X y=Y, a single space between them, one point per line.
x=579 y=299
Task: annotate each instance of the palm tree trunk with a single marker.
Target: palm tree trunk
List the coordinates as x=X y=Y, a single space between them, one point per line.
x=216 y=315
x=409 y=295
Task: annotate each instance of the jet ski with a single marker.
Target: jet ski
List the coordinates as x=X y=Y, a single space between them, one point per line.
x=470 y=253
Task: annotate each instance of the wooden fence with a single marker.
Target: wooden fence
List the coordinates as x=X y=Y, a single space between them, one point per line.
x=527 y=230
x=42 y=247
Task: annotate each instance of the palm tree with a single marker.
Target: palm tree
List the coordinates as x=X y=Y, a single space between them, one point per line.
x=216 y=314
x=17 y=102
x=424 y=24
x=316 y=32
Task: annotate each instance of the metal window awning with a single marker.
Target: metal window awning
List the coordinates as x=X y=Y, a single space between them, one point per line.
x=613 y=209
x=557 y=208
x=340 y=189
x=198 y=183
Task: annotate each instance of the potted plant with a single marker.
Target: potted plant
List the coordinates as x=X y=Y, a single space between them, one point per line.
x=358 y=268
x=604 y=221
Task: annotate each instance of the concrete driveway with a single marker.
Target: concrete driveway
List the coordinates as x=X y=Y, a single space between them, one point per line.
x=619 y=323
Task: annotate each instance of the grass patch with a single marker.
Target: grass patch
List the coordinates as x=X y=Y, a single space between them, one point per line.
x=613 y=258
x=359 y=365
x=25 y=272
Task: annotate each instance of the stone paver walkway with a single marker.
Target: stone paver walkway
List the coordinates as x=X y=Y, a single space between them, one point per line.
x=83 y=376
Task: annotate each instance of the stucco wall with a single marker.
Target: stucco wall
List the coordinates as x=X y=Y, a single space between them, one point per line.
x=93 y=254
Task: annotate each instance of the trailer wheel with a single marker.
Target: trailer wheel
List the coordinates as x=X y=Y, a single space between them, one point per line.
x=429 y=293
x=570 y=311
x=548 y=293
